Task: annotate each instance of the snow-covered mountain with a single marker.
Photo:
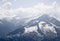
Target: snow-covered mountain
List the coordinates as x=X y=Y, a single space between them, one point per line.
x=41 y=28
x=9 y=25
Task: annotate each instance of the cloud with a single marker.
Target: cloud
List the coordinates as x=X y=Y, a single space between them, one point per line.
x=7 y=5
x=40 y=8
x=7 y=0
x=35 y=10
x=4 y=0
x=15 y=0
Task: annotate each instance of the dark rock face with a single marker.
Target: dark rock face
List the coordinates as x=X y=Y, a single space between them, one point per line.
x=25 y=37
x=20 y=30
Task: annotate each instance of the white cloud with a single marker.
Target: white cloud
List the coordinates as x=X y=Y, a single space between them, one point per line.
x=7 y=0
x=15 y=0
x=4 y=0
x=7 y=5
x=39 y=8
x=35 y=10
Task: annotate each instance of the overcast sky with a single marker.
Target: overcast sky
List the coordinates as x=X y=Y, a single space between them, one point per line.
x=29 y=8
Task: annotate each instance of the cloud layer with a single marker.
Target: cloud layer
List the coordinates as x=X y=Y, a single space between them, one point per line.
x=6 y=10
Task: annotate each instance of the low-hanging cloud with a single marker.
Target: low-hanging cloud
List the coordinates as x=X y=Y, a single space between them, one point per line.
x=34 y=10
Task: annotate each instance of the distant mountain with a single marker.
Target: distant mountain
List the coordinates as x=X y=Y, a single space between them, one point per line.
x=48 y=29
x=48 y=19
x=20 y=30
x=5 y=27
x=8 y=26
x=45 y=18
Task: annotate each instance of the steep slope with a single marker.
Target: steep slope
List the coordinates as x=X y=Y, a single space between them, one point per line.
x=10 y=25
x=45 y=18
x=48 y=29
x=5 y=27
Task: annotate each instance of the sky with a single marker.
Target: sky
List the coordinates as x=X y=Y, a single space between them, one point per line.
x=29 y=8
